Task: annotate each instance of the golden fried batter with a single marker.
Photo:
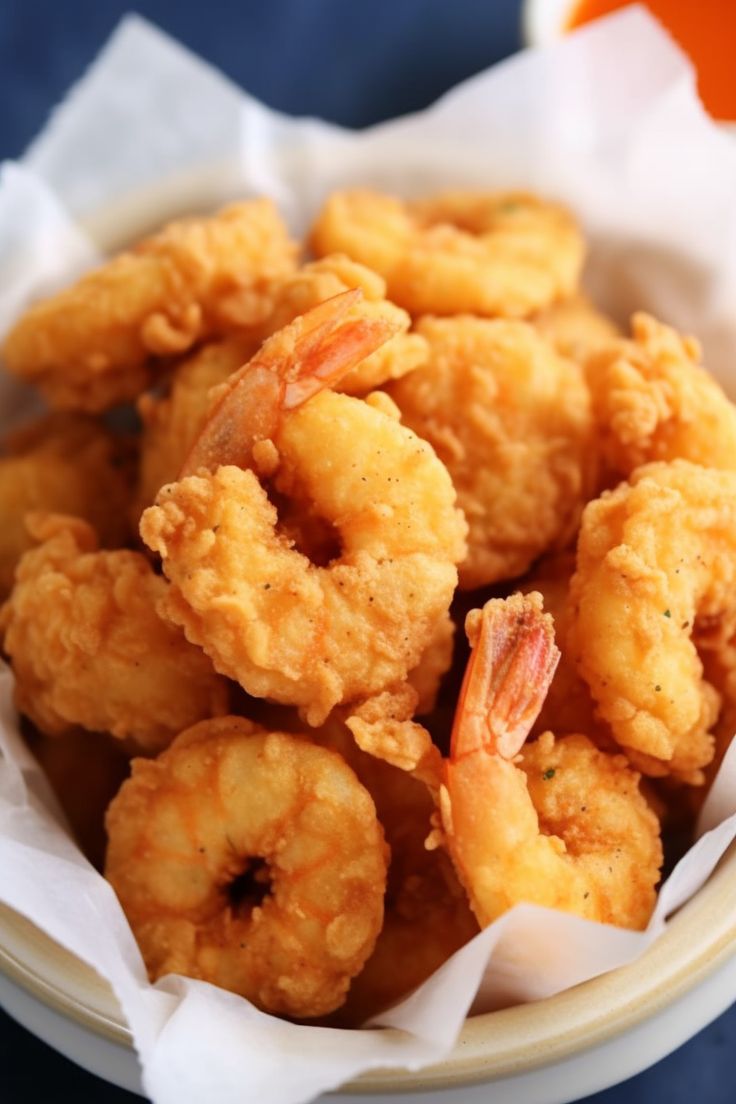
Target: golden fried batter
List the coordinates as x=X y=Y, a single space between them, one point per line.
x=88 y=648
x=89 y=347
x=655 y=557
x=326 y=278
x=302 y=633
x=427 y=916
x=436 y=661
x=557 y=823
x=64 y=463
x=653 y=401
x=507 y=254
x=575 y=327
x=252 y=860
x=172 y=424
x=569 y=706
x=511 y=421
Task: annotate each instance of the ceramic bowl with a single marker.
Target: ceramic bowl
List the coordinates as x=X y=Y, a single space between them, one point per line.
x=555 y=1050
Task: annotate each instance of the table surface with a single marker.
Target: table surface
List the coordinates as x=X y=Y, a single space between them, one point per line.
x=354 y=64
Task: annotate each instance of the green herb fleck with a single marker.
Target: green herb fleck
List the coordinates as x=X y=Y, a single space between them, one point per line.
x=549 y=773
x=667 y=613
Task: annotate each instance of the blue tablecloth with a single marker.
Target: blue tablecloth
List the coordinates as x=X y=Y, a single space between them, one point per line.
x=354 y=64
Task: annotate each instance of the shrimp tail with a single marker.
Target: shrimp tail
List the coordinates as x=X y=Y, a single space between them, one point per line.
x=511 y=666
x=313 y=352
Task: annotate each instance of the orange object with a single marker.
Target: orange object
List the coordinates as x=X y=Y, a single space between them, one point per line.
x=705 y=30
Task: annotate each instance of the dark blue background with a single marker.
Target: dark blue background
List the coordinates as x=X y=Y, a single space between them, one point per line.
x=354 y=64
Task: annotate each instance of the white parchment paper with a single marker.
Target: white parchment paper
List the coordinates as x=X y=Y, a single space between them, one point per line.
x=606 y=121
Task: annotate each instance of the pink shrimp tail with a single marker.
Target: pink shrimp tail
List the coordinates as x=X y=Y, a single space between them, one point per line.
x=511 y=666
x=313 y=352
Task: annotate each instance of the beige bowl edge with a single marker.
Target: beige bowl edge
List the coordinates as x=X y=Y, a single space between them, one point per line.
x=699 y=939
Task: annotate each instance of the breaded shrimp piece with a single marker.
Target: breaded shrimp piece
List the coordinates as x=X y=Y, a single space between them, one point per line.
x=564 y=825
x=89 y=347
x=63 y=463
x=436 y=661
x=575 y=327
x=511 y=421
x=283 y=627
x=252 y=860
x=652 y=400
x=507 y=253
x=426 y=914
x=87 y=647
x=172 y=423
x=569 y=705
x=656 y=558
x=325 y=278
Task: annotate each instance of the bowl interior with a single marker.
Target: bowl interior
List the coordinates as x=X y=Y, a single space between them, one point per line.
x=700 y=937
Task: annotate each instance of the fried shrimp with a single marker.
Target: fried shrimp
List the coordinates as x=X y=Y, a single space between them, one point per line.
x=565 y=826
x=653 y=401
x=426 y=913
x=252 y=860
x=656 y=559
x=63 y=463
x=436 y=661
x=569 y=705
x=325 y=278
x=171 y=424
x=88 y=648
x=575 y=327
x=507 y=254
x=521 y=460
x=282 y=626
x=89 y=347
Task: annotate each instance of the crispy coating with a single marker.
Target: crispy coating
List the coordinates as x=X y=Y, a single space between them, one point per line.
x=569 y=705
x=511 y=421
x=557 y=823
x=88 y=648
x=426 y=915
x=282 y=626
x=63 y=463
x=436 y=661
x=655 y=560
x=90 y=346
x=172 y=423
x=327 y=277
x=229 y=802
x=507 y=254
x=653 y=401
x=576 y=327
x=592 y=802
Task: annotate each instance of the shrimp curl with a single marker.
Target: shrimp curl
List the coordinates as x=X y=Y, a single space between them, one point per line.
x=252 y=860
x=298 y=632
x=565 y=825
